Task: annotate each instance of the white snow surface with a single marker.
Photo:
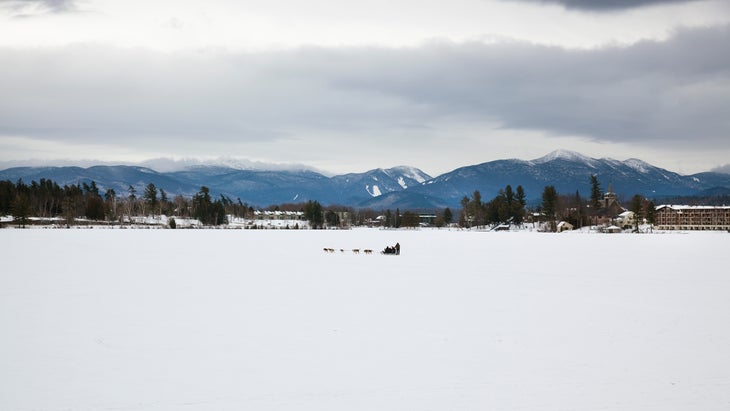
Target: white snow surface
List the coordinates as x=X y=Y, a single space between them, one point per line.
x=564 y=155
x=410 y=172
x=638 y=165
x=265 y=320
x=375 y=191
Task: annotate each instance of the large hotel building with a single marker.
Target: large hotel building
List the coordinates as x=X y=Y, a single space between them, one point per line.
x=684 y=217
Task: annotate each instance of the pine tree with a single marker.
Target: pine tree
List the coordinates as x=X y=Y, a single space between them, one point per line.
x=164 y=202
x=519 y=214
x=550 y=205
x=21 y=209
x=650 y=213
x=313 y=213
x=94 y=207
x=464 y=215
x=595 y=193
x=331 y=218
x=636 y=207
x=150 y=196
x=411 y=219
x=202 y=206
x=131 y=201
x=580 y=209
x=448 y=216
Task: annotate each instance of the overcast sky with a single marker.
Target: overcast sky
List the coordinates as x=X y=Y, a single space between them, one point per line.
x=346 y=86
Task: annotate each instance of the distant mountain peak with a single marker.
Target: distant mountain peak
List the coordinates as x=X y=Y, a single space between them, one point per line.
x=400 y=186
x=638 y=165
x=164 y=164
x=563 y=155
x=412 y=173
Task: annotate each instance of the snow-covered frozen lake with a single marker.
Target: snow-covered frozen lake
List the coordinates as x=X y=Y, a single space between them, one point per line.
x=265 y=320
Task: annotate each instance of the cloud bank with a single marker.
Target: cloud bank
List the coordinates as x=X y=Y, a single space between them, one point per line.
x=606 y=5
x=29 y=8
x=668 y=94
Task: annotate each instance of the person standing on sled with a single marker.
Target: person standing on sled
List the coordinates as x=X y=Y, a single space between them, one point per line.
x=397 y=248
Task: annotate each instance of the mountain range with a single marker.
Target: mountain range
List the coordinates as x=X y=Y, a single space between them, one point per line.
x=398 y=187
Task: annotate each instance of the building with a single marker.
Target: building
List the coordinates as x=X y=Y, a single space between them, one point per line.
x=627 y=219
x=427 y=220
x=564 y=226
x=614 y=229
x=610 y=205
x=685 y=217
x=277 y=219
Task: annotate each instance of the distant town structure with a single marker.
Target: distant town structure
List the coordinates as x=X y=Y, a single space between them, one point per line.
x=564 y=226
x=610 y=205
x=273 y=219
x=686 y=217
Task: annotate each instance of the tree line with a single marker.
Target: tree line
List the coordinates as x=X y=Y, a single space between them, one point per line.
x=579 y=211
x=507 y=207
x=320 y=216
x=47 y=199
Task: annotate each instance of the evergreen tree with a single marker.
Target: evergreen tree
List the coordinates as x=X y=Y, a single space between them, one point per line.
x=519 y=214
x=448 y=216
x=595 y=193
x=7 y=197
x=550 y=205
x=164 y=202
x=94 y=207
x=495 y=209
x=313 y=213
x=21 y=209
x=464 y=217
x=410 y=219
x=110 y=197
x=150 y=196
x=331 y=218
x=476 y=208
x=131 y=201
x=650 y=213
x=636 y=207
x=388 y=218
x=218 y=213
x=202 y=205
x=579 y=208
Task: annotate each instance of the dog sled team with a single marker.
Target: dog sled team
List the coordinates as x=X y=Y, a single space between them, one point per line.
x=394 y=250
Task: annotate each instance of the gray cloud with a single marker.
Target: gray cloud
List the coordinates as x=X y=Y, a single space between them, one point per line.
x=27 y=8
x=605 y=5
x=667 y=94
x=674 y=92
x=722 y=169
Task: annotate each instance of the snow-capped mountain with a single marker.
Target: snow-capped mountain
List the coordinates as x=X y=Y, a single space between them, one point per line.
x=568 y=172
x=255 y=187
x=403 y=187
x=377 y=182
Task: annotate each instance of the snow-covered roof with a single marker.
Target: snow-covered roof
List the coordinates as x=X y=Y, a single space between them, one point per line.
x=278 y=213
x=692 y=207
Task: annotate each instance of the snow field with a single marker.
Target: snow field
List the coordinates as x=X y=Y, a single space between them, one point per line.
x=265 y=320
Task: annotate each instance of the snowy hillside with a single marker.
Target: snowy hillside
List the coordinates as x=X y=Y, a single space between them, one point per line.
x=378 y=181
